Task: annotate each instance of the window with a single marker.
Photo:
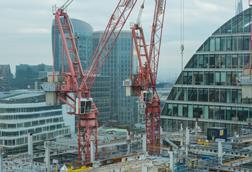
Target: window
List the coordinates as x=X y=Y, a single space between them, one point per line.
x=222 y=61
x=246 y=43
x=197 y=112
x=217 y=44
x=185 y=111
x=217 y=78
x=192 y=94
x=212 y=61
x=212 y=44
x=246 y=59
x=240 y=61
x=209 y=78
x=223 y=95
x=223 y=44
x=206 y=45
x=205 y=61
x=175 y=110
x=200 y=61
x=228 y=44
x=234 y=96
x=227 y=28
x=228 y=61
x=203 y=95
x=240 y=43
x=198 y=77
x=234 y=43
x=246 y=21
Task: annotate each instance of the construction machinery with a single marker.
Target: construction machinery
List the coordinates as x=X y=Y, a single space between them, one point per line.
x=143 y=84
x=72 y=84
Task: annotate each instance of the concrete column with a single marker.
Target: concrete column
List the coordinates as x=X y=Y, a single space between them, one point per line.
x=117 y=169
x=144 y=144
x=30 y=144
x=128 y=143
x=181 y=127
x=1 y=159
x=220 y=152
x=144 y=168
x=196 y=127
x=181 y=132
x=92 y=151
x=47 y=156
x=171 y=161
x=187 y=141
x=161 y=134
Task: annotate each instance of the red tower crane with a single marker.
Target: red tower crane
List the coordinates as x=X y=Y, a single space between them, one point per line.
x=143 y=84
x=72 y=85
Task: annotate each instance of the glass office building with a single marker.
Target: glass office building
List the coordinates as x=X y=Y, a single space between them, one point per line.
x=108 y=91
x=118 y=66
x=83 y=33
x=101 y=91
x=208 y=89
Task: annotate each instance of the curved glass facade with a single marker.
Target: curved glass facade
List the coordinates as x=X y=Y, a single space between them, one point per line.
x=83 y=32
x=208 y=90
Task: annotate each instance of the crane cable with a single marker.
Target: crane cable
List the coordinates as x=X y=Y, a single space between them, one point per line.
x=182 y=32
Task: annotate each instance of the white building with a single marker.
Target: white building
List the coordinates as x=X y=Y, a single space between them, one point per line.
x=23 y=112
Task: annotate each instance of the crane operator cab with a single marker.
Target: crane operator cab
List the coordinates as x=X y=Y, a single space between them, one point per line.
x=146 y=96
x=84 y=105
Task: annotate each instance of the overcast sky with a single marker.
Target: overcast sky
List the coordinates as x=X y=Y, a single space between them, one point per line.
x=26 y=37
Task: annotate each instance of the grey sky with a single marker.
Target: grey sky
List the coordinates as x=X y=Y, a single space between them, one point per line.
x=26 y=37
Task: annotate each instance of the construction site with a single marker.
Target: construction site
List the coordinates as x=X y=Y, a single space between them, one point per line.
x=199 y=128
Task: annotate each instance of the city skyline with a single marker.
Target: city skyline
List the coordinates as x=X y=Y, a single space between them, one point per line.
x=33 y=41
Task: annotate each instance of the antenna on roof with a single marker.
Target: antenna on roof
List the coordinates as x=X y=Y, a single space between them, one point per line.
x=182 y=32
x=239 y=6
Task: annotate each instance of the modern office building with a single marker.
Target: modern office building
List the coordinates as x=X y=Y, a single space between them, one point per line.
x=118 y=67
x=83 y=33
x=208 y=89
x=101 y=91
x=115 y=70
x=5 y=77
x=23 y=112
x=30 y=76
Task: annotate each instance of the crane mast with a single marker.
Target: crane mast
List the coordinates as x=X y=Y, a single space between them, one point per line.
x=72 y=85
x=143 y=84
